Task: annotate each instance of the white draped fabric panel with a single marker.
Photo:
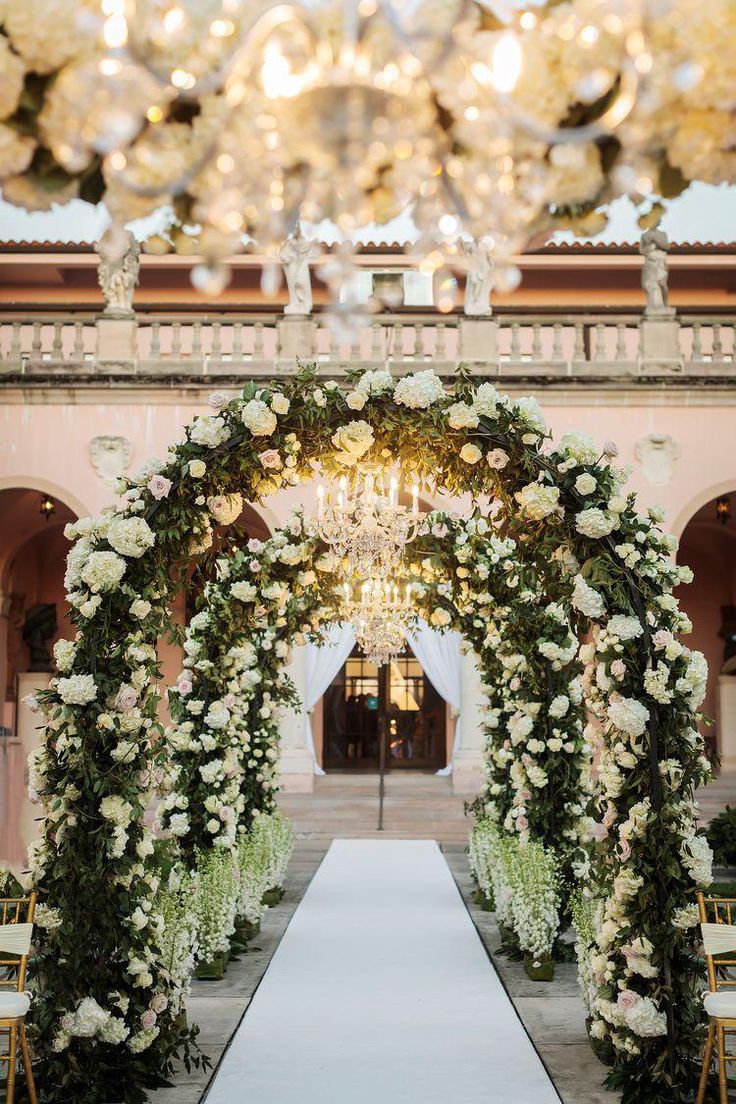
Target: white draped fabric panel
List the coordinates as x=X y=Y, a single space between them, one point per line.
x=439 y=655
x=323 y=663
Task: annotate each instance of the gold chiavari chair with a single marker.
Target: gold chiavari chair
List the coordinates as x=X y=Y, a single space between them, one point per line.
x=718 y=929
x=16 y=930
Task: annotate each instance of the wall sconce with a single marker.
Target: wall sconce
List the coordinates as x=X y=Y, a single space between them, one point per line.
x=47 y=507
x=723 y=509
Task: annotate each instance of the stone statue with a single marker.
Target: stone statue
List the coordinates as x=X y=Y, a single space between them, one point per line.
x=654 y=246
x=478 y=280
x=296 y=253
x=117 y=271
x=38 y=627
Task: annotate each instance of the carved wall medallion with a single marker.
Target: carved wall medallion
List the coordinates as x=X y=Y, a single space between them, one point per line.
x=110 y=457
x=657 y=453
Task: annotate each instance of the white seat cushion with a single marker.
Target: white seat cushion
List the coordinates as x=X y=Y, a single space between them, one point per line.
x=13 y=1004
x=721 y=1004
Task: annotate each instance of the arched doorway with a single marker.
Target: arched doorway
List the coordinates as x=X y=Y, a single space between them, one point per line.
x=708 y=547
x=33 y=616
x=396 y=703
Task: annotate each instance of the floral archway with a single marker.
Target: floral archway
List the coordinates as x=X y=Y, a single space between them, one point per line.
x=587 y=545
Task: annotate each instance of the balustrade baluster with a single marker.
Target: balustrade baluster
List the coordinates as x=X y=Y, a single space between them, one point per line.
x=238 y=341
x=78 y=347
x=398 y=347
x=197 y=341
x=417 y=350
x=258 y=341
x=376 y=341
x=354 y=347
x=15 y=350
x=440 y=345
x=57 y=352
x=515 y=353
x=717 y=344
x=557 y=353
x=697 y=352
x=578 y=352
x=536 y=343
x=599 y=352
x=216 y=350
x=620 y=353
x=175 y=340
x=154 y=352
x=36 y=342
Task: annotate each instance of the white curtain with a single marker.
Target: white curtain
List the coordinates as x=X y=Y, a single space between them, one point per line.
x=439 y=655
x=323 y=663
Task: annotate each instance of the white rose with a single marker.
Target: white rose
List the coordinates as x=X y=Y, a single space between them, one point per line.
x=356 y=400
x=140 y=608
x=279 y=403
x=197 y=468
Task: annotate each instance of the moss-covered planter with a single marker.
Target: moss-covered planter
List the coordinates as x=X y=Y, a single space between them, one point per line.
x=272 y=896
x=213 y=970
x=539 y=969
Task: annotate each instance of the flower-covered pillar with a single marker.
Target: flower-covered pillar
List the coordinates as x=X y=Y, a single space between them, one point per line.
x=467 y=761
x=296 y=763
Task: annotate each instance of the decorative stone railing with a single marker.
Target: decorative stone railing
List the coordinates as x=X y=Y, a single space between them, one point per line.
x=577 y=347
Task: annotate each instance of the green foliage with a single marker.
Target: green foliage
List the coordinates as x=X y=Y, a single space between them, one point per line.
x=721 y=835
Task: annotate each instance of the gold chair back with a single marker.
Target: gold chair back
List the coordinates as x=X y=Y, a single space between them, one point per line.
x=718 y=928
x=16 y=930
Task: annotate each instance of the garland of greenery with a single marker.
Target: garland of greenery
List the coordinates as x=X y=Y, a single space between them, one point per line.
x=571 y=520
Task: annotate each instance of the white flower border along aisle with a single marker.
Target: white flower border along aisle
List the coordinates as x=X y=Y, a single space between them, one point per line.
x=92 y=865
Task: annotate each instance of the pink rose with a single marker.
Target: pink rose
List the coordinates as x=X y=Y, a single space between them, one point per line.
x=624 y=850
x=662 y=638
x=148 y=1019
x=254 y=565
x=440 y=530
x=158 y=775
x=618 y=669
x=217 y=400
x=125 y=699
x=270 y=458
x=159 y=1003
x=609 y=817
x=610 y=449
x=627 y=998
x=184 y=687
x=525 y=795
x=229 y=700
x=598 y=831
x=497 y=459
x=522 y=823
x=226 y=814
x=254 y=545
x=30 y=701
x=159 y=486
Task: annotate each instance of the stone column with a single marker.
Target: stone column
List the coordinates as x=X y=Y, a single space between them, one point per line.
x=297 y=337
x=478 y=341
x=659 y=344
x=726 y=720
x=467 y=772
x=296 y=764
x=116 y=344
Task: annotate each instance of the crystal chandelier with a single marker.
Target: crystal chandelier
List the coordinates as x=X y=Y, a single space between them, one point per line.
x=380 y=614
x=364 y=522
x=247 y=118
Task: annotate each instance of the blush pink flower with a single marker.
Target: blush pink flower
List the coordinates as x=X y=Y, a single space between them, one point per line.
x=254 y=545
x=618 y=669
x=148 y=1019
x=125 y=699
x=271 y=459
x=624 y=850
x=159 y=1003
x=598 y=831
x=217 y=400
x=184 y=686
x=229 y=700
x=626 y=999
x=159 y=486
x=522 y=823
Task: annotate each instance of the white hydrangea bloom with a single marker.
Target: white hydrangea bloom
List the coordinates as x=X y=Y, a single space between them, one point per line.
x=537 y=500
x=259 y=418
x=628 y=715
x=625 y=628
x=64 y=652
x=595 y=523
x=586 y=599
x=419 y=390
x=579 y=446
x=530 y=413
x=77 y=689
x=130 y=536
x=209 y=431
x=103 y=571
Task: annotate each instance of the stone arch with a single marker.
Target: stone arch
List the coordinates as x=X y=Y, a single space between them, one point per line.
x=688 y=512
x=572 y=521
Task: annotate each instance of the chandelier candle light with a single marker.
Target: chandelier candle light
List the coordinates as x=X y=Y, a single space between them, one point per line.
x=380 y=616
x=366 y=524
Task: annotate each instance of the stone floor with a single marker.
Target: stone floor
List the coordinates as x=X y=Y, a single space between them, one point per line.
x=418 y=807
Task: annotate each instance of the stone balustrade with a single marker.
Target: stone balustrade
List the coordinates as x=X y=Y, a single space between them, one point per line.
x=148 y=347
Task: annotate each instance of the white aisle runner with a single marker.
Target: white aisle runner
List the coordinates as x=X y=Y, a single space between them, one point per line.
x=381 y=993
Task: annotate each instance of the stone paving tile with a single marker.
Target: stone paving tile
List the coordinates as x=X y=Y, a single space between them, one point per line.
x=576 y=1072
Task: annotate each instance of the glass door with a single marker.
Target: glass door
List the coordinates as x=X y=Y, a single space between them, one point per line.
x=398 y=700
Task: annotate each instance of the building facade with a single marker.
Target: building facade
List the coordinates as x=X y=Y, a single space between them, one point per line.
x=86 y=395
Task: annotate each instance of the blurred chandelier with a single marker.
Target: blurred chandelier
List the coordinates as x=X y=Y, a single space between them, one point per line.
x=380 y=615
x=364 y=523
x=248 y=117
